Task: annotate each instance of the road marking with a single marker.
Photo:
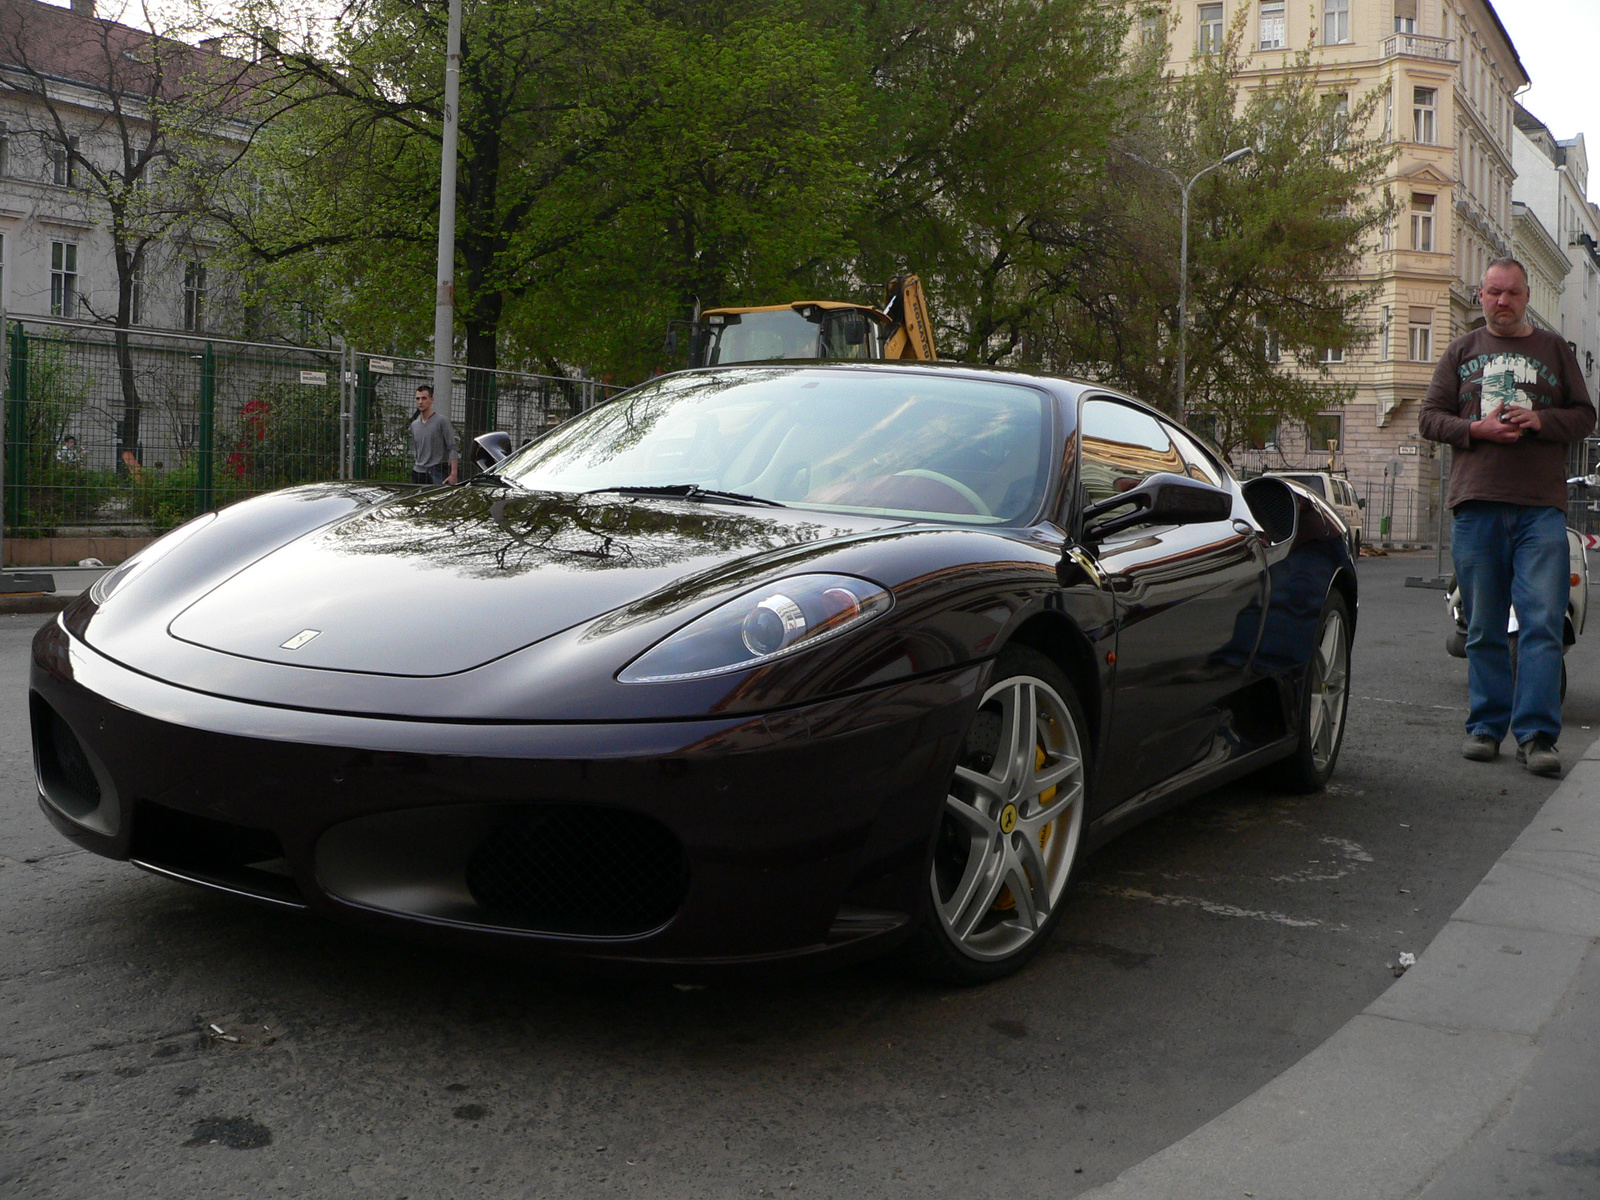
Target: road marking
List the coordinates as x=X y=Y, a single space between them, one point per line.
x=1210 y=906
x=1350 y=851
x=1412 y=703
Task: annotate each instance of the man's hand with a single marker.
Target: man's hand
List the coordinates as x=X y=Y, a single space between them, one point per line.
x=451 y=478
x=1526 y=419
x=1501 y=426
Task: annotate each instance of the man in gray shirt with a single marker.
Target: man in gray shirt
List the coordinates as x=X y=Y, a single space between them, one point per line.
x=434 y=442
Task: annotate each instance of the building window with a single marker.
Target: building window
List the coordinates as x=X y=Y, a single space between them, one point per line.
x=1388 y=114
x=1405 y=16
x=1210 y=28
x=1274 y=33
x=1421 y=334
x=1338 y=120
x=1325 y=432
x=1424 y=115
x=64 y=279
x=1331 y=354
x=1422 y=222
x=194 y=296
x=1335 y=22
x=63 y=162
x=1152 y=26
x=5 y=149
x=1385 y=332
x=1267 y=341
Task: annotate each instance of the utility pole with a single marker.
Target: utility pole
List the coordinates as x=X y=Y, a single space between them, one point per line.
x=1183 y=259
x=444 y=313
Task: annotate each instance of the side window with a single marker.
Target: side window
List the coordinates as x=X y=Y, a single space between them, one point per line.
x=1197 y=464
x=1122 y=447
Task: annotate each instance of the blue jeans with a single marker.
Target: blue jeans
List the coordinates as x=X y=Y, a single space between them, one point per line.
x=1512 y=555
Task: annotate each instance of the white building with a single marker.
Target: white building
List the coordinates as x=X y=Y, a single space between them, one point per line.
x=75 y=128
x=1553 y=183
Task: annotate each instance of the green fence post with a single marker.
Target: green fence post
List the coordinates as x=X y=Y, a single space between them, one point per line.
x=205 y=497
x=17 y=431
x=363 y=432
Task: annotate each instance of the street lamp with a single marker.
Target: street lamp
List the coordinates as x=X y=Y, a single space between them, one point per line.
x=1183 y=256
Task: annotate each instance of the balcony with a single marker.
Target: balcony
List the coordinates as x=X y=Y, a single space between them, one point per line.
x=1414 y=45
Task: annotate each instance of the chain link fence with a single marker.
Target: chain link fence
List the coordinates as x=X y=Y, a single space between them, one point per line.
x=135 y=431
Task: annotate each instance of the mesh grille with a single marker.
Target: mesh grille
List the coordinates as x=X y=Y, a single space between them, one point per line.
x=1273 y=505
x=70 y=760
x=581 y=870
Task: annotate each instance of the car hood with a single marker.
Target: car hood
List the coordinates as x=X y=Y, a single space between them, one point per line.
x=445 y=581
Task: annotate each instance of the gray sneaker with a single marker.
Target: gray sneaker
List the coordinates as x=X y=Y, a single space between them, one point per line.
x=1480 y=747
x=1539 y=753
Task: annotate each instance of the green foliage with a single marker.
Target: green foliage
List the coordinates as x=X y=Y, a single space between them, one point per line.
x=991 y=120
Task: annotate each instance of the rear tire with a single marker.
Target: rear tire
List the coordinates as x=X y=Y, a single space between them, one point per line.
x=1324 y=702
x=1009 y=834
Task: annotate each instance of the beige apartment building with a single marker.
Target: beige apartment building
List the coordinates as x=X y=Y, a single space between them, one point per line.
x=1447 y=72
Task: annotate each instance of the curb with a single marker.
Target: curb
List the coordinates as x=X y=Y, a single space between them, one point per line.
x=1381 y=1107
x=36 y=602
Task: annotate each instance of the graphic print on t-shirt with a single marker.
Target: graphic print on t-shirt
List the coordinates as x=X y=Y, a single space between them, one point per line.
x=1507 y=378
x=1501 y=374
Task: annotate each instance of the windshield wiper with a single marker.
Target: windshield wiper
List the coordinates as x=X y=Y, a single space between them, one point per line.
x=490 y=479
x=689 y=491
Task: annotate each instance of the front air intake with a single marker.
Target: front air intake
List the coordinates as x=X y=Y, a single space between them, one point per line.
x=72 y=781
x=580 y=870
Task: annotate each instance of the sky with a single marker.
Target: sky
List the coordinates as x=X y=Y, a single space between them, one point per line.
x=1559 y=44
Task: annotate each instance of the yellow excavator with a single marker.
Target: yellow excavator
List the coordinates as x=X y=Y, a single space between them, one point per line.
x=813 y=329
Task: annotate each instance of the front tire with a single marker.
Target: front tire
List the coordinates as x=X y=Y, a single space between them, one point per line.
x=1324 y=702
x=1010 y=831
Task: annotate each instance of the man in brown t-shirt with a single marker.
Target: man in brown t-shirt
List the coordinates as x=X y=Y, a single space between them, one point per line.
x=1510 y=397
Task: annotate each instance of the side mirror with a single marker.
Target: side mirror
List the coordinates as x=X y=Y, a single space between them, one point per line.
x=671 y=345
x=1162 y=499
x=490 y=450
x=1584 y=481
x=1361 y=501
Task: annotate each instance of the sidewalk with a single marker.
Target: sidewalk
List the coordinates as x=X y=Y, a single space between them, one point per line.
x=1476 y=1075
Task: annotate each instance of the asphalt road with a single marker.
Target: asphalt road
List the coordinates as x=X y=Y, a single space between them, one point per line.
x=1202 y=954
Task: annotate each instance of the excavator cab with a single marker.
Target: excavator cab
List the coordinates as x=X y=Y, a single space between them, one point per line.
x=813 y=329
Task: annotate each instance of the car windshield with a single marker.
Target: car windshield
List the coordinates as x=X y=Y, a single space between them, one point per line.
x=884 y=442
x=1312 y=483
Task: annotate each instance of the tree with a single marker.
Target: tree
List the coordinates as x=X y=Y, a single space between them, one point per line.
x=1276 y=244
x=142 y=124
x=991 y=119
x=619 y=159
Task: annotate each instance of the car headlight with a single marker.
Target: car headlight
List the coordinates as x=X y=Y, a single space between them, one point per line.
x=140 y=562
x=766 y=623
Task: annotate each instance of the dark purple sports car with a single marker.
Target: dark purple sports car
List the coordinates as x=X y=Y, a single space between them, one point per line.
x=752 y=665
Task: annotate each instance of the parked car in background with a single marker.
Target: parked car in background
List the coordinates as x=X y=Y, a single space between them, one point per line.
x=791 y=663
x=1341 y=497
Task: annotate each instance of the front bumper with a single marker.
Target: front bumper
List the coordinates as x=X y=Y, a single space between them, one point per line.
x=689 y=845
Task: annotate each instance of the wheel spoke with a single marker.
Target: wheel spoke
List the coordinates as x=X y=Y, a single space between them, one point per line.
x=988 y=794
x=971 y=879
x=1052 y=773
x=1034 y=880
x=1064 y=799
x=1012 y=757
x=967 y=918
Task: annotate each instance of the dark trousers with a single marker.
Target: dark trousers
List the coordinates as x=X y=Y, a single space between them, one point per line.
x=437 y=473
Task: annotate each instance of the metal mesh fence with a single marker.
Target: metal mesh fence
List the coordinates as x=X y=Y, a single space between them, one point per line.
x=134 y=432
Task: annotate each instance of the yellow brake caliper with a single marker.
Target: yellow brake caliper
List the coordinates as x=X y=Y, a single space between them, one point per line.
x=1005 y=901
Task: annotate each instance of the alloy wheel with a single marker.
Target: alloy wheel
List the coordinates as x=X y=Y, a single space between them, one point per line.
x=1012 y=820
